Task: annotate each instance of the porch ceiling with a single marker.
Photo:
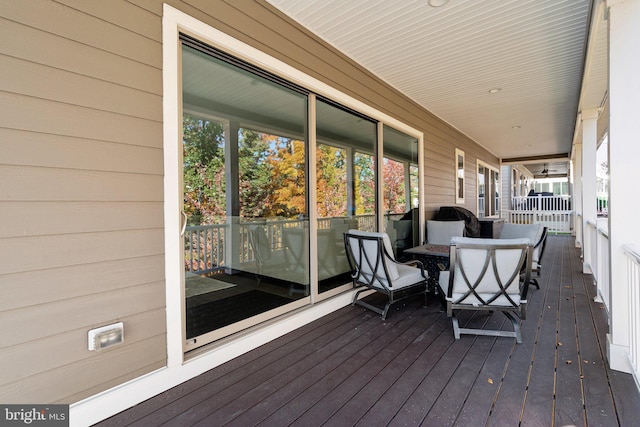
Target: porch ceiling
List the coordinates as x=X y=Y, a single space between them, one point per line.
x=449 y=58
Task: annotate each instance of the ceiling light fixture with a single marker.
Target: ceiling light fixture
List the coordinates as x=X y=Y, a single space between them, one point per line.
x=495 y=90
x=437 y=3
x=515 y=127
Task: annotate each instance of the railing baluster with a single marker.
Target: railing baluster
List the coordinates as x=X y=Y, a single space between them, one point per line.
x=633 y=284
x=553 y=211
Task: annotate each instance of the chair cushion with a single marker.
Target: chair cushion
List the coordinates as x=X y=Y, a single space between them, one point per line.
x=472 y=261
x=371 y=248
x=408 y=276
x=537 y=247
x=533 y=232
x=441 y=232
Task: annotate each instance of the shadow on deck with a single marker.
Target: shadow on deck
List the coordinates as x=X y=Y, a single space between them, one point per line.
x=352 y=368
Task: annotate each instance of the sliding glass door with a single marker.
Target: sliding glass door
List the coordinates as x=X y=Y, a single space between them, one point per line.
x=252 y=177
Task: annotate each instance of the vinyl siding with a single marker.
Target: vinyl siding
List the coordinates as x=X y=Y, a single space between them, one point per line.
x=81 y=200
x=81 y=177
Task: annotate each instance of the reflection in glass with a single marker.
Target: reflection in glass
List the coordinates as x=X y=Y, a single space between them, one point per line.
x=488 y=192
x=459 y=176
x=345 y=187
x=400 y=190
x=481 y=192
x=245 y=194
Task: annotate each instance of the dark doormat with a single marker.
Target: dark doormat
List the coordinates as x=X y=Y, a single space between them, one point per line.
x=213 y=315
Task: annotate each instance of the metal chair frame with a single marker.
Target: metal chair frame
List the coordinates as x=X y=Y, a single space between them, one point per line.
x=381 y=281
x=515 y=311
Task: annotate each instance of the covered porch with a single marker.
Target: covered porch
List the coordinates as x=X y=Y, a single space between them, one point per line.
x=352 y=368
x=487 y=96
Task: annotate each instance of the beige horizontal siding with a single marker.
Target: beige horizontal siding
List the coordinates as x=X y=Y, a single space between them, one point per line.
x=46 y=116
x=41 y=47
x=67 y=282
x=78 y=217
x=49 y=150
x=42 y=252
x=81 y=198
x=42 y=81
x=54 y=18
x=32 y=183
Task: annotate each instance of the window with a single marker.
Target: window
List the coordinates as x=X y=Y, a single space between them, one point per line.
x=488 y=191
x=459 y=176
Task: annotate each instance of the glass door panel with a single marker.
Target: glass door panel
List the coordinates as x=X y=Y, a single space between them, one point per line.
x=246 y=241
x=400 y=190
x=345 y=187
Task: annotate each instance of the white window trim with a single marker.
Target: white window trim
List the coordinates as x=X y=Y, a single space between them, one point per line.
x=494 y=169
x=174 y=23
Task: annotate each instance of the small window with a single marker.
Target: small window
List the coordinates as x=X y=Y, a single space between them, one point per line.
x=459 y=176
x=488 y=191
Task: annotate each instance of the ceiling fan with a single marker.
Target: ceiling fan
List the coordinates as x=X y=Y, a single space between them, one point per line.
x=545 y=171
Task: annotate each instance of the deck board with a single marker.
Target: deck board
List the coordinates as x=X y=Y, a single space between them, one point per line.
x=353 y=368
x=569 y=406
x=512 y=395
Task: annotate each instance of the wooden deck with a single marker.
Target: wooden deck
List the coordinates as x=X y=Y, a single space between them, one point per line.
x=352 y=368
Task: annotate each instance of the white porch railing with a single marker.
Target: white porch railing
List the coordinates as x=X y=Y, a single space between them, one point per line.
x=633 y=284
x=597 y=241
x=554 y=212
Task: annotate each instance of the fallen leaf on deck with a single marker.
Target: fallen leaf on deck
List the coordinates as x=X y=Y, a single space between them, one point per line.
x=490 y=381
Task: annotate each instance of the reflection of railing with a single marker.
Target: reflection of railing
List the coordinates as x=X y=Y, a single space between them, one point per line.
x=552 y=211
x=204 y=245
x=633 y=284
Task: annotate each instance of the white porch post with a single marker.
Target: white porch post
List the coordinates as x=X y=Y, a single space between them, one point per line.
x=589 y=190
x=576 y=177
x=624 y=152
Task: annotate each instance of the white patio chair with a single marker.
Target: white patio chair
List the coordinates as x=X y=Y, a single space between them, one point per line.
x=536 y=233
x=441 y=232
x=373 y=267
x=488 y=274
x=538 y=250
